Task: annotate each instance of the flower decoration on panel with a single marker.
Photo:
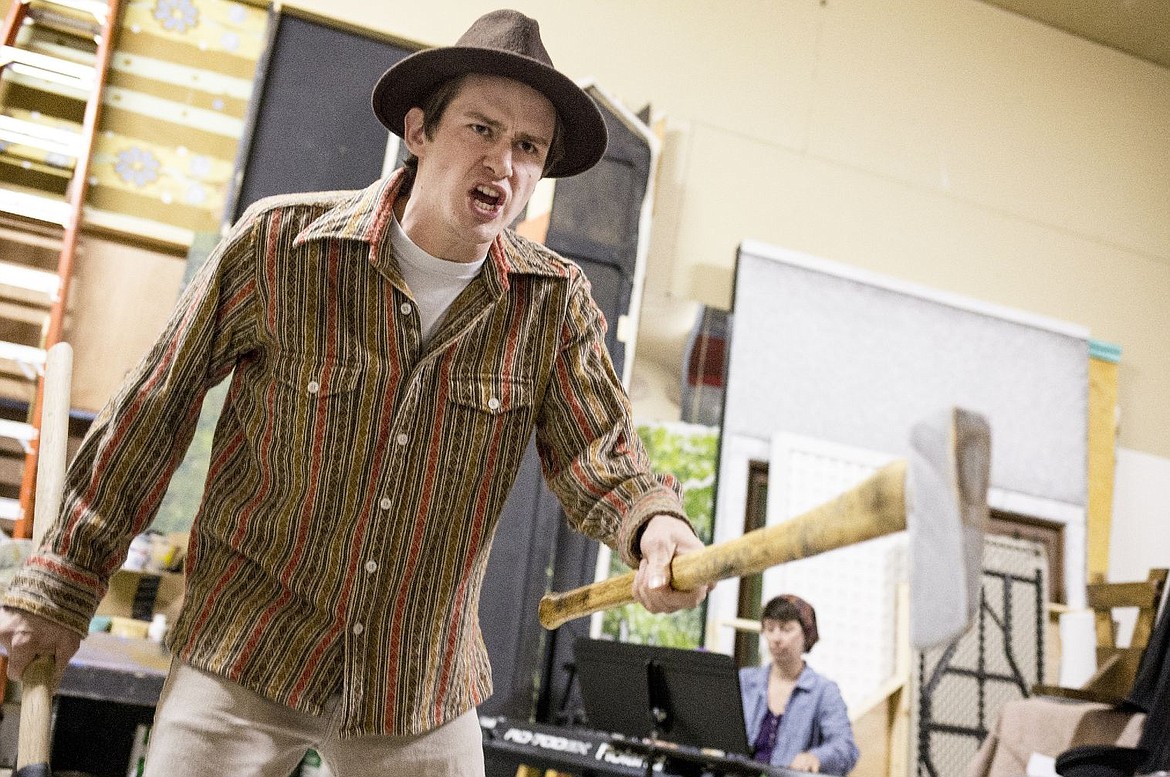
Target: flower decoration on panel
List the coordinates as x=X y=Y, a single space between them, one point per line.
x=196 y=194
x=200 y=166
x=176 y=15
x=137 y=166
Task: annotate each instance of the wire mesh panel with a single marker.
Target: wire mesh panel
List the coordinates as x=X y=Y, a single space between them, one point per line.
x=959 y=688
x=853 y=588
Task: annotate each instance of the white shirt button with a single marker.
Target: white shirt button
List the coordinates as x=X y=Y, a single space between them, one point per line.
x=371 y=566
x=313 y=387
x=402 y=439
x=404 y=308
x=358 y=629
x=385 y=503
x=493 y=404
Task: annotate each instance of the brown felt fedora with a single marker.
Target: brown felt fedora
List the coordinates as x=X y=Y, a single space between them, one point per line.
x=501 y=43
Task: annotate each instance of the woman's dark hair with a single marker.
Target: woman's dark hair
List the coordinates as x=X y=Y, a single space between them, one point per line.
x=433 y=109
x=789 y=607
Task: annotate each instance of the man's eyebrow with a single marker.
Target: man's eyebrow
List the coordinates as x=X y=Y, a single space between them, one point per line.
x=482 y=119
x=496 y=125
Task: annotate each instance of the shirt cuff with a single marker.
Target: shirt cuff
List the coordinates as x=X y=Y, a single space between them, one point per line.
x=661 y=501
x=53 y=588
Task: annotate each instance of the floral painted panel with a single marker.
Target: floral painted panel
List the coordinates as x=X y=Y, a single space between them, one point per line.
x=689 y=452
x=173 y=113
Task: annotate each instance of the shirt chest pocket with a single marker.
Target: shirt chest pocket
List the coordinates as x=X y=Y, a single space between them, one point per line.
x=492 y=395
x=489 y=421
x=302 y=385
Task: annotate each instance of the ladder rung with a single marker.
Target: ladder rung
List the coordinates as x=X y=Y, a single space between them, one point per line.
x=57 y=49
x=10 y=509
x=17 y=430
x=22 y=354
x=34 y=206
x=32 y=80
x=29 y=133
x=16 y=276
x=47 y=68
x=81 y=27
x=95 y=8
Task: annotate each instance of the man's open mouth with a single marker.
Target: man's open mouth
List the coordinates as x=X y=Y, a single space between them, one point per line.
x=487 y=197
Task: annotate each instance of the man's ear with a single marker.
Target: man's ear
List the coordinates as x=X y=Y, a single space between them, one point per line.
x=413 y=133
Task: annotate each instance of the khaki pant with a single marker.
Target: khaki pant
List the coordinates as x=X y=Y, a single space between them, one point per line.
x=206 y=724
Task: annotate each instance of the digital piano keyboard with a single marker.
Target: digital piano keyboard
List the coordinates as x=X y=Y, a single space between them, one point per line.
x=580 y=751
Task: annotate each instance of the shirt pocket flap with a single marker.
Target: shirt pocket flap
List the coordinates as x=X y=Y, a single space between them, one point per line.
x=316 y=381
x=491 y=393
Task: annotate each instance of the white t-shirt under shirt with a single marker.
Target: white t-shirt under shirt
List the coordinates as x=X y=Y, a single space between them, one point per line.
x=434 y=282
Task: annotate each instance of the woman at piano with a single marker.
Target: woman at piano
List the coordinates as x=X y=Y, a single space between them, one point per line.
x=795 y=717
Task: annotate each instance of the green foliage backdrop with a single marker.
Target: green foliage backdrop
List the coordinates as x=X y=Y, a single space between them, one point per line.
x=689 y=452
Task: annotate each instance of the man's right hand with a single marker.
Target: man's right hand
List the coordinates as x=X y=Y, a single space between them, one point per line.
x=25 y=636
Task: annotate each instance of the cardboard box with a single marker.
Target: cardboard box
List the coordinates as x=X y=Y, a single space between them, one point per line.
x=141 y=594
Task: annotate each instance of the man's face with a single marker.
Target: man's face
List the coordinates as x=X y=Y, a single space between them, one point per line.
x=478 y=171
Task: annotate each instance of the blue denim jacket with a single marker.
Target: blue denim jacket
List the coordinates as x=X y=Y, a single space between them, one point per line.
x=814 y=720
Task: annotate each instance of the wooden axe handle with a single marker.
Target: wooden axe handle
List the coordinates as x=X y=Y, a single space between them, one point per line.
x=34 y=741
x=874 y=508
x=54 y=438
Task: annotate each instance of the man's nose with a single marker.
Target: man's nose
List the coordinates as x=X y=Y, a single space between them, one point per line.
x=498 y=159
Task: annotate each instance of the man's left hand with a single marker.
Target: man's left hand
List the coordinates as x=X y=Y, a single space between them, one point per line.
x=664 y=537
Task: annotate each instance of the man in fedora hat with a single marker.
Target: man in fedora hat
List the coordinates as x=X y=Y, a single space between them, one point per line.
x=392 y=351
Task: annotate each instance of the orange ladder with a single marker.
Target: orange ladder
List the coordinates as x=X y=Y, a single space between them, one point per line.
x=54 y=55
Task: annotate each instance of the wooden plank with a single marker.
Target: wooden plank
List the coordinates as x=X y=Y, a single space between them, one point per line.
x=1138 y=594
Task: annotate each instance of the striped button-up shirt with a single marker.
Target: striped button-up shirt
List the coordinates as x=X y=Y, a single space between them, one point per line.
x=356 y=477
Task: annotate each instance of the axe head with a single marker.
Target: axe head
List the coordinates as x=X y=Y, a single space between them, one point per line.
x=946 y=516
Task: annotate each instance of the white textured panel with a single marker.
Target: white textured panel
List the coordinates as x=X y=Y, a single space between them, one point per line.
x=853 y=589
x=825 y=351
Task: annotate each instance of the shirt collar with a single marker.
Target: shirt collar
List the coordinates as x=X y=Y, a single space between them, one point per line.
x=807 y=678
x=367 y=215
x=364 y=216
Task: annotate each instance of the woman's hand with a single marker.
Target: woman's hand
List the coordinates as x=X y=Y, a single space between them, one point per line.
x=806 y=762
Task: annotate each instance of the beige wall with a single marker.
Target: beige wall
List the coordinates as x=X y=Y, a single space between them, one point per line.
x=119 y=299
x=122 y=296
x=945 y=142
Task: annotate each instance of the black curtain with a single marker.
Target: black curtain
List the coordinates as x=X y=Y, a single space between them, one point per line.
x=311 y=127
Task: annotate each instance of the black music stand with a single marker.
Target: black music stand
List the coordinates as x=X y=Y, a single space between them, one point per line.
x=685 y=697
